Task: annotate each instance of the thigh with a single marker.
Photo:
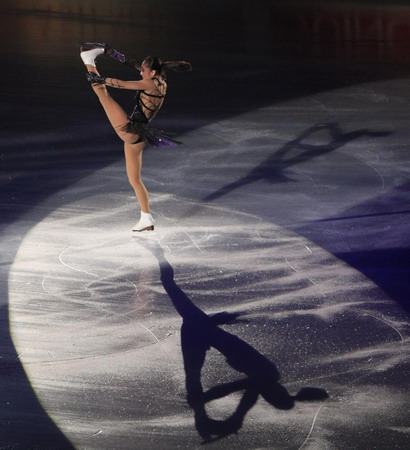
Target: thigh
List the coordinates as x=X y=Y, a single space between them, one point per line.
x=133 y=158
x=127 y=137
x=131 y=133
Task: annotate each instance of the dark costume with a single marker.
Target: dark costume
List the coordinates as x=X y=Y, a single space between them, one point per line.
x=138 y=121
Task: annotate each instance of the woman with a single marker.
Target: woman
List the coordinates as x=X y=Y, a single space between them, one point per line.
x=133 y=130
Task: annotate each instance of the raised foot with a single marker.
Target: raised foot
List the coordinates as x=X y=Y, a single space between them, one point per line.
x=89 y=56
x=107 y=49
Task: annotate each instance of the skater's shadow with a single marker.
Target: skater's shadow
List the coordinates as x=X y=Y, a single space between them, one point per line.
x=200 y=332
x=272 y=169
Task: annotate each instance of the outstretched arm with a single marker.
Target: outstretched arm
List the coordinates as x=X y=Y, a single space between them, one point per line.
x=139 y=85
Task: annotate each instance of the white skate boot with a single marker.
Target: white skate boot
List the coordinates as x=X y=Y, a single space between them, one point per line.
x=146 y=223
x=89 y=56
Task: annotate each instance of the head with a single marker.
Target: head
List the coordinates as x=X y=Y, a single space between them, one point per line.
x=151 y=67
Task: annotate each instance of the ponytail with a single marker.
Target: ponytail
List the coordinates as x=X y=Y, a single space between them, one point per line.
x=177 y=66
x=154 y=63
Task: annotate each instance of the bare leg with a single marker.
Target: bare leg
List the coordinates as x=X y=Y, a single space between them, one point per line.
x=133 y=151
x=133 y=161
x=116 y=115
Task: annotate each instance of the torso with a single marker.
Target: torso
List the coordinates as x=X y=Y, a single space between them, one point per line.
x=149 y=102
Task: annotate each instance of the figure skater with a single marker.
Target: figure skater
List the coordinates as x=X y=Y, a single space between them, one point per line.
x=133 y=129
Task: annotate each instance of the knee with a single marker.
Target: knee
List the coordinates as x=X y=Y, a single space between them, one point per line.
x=135 y=181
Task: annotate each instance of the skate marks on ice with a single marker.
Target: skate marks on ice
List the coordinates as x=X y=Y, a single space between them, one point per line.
x=97 y=327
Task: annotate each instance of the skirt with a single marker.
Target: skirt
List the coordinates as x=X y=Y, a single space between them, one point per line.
x=156 y=137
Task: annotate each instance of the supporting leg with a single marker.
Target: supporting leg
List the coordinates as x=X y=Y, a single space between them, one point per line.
x=133 y=161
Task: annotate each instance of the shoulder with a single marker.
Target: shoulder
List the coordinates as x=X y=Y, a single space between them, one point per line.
x=159 y=86
x=158 y=82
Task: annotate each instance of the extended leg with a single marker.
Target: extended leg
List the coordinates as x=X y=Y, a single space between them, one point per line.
x=115 y=113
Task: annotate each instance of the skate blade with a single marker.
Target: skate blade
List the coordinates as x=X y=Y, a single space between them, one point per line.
x=146 y=234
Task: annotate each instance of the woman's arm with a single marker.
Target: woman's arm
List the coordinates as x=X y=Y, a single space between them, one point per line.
x=139 y=85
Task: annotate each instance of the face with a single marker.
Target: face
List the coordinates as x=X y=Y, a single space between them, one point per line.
x=146 y=72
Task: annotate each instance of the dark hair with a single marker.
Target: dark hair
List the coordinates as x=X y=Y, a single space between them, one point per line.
x=155 y=63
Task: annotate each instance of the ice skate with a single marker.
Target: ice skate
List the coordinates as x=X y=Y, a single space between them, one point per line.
x=108 y=50
x=89 y=56
x=85 y=46
x=146 y=223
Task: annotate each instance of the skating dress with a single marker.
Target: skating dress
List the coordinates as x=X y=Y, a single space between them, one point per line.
x=138 y=120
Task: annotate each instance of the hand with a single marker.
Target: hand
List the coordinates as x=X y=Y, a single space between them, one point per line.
x=94 y=78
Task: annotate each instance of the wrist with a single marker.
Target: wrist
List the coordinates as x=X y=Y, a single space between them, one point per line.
x=94 y=78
